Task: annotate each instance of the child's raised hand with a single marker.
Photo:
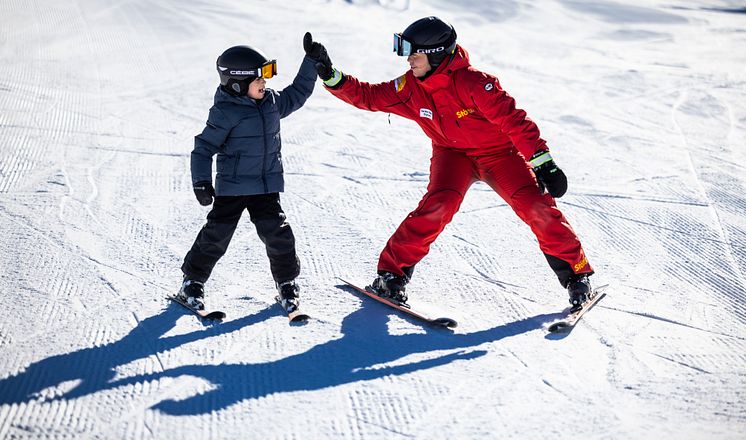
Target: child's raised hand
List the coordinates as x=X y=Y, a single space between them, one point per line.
x=317 y=52
x=313 y=49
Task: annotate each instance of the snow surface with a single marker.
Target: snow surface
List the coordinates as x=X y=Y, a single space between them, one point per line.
x=644 y=106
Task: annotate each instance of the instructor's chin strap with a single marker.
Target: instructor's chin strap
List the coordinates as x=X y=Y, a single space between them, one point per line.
x=336 y=78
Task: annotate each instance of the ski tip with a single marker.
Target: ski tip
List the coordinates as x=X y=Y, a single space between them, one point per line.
x=298 y=317
x=601 y=288
x=346 y=282
x=215 y=316
x=446 y=322
x=556 y=327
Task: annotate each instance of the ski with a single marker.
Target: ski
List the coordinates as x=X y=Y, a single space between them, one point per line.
x=214 y=315
x=568 y=322
x=416 y=310
x=294 y=316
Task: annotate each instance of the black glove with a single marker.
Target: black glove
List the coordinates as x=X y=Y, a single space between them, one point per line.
x=317 y=52
x=204 y=192
x=548 y=174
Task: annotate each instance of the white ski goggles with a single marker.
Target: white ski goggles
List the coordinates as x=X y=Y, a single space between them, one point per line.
x=404 y=48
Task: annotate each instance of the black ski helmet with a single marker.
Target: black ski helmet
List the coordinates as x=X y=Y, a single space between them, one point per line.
x=432 y=36
x=239 y=66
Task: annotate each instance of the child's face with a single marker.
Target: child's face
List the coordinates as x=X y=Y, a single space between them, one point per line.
x=256 y=88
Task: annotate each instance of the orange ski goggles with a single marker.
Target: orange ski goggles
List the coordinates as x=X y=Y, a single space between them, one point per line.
x=266 y=70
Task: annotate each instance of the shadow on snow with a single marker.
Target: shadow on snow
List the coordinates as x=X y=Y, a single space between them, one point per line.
x=358 y=355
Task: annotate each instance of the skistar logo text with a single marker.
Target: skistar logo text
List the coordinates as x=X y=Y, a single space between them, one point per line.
x=464 y=112
x=426 y=113
x=580 y=265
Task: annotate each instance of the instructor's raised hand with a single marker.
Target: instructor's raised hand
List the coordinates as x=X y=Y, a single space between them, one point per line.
x=317 y=52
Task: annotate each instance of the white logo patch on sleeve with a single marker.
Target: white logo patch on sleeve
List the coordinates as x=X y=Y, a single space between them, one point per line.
x=426 y=113
x=488 y=86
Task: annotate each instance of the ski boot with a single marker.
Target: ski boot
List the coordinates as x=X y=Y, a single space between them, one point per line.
x=192 y=292
x=579 y=289
x=289 y=298
x=391 y=286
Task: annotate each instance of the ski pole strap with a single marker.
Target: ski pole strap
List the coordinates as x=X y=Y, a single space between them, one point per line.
x=335 y=79
x=540 y=158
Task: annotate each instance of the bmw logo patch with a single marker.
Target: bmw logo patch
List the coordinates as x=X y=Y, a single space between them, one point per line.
x=488 y=86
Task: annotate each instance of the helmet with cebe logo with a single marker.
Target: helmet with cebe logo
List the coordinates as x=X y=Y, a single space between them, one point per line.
x=240 y=65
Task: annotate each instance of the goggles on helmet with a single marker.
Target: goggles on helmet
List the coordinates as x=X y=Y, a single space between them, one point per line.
x=267 y=70
x=404 y=48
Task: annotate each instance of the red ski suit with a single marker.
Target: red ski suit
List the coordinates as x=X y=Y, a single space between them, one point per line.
x=477 y=134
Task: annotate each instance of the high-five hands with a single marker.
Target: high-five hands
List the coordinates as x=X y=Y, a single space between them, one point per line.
x=317 y=52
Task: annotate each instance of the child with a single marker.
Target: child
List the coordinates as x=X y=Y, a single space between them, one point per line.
x=477 y=133
x=243 y=130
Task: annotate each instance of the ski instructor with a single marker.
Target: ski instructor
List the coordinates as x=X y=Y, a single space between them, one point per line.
x=477 y=133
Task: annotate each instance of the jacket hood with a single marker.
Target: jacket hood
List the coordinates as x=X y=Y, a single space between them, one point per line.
x=460 y=60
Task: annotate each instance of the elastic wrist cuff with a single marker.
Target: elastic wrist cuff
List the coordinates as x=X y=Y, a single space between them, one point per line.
x=541 y=159
x=335 y=79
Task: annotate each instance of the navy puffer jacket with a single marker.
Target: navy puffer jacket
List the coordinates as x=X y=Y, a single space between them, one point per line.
x=245 y=135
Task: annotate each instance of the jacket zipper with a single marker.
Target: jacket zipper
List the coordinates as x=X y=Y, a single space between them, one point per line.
x=235 y=165
x=264 y=153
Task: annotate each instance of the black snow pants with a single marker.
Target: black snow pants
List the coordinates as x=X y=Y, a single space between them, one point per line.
x=273 y=230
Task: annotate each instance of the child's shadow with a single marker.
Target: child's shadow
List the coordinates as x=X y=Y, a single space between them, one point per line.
x=95 y=367
x=360 y=355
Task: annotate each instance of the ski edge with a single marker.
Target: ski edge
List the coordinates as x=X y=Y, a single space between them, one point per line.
x=215 y=315
x=440 y=321
x=569 y=321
